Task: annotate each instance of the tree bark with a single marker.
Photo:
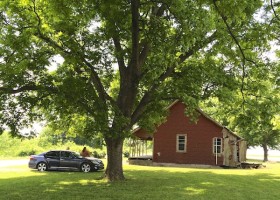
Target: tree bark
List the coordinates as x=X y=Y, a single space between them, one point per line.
x=114 y=169
x=265 y=153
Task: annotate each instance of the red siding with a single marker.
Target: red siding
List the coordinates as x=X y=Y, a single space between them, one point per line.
x=199 y=139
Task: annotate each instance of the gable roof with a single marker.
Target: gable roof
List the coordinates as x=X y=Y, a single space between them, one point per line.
x=217 y=123
x=208 y=117
x=198 y=110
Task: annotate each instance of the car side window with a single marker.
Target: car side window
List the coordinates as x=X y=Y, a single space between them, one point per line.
x=66 y=154
x=52 y=154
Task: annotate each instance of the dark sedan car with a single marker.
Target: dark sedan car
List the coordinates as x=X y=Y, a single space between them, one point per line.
x=64 y=160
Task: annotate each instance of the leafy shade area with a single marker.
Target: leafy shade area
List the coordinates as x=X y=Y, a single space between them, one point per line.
x=15 y=147
x=143 y=183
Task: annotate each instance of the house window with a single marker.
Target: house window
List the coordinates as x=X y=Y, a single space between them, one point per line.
x=217 y=145
x=181 y=144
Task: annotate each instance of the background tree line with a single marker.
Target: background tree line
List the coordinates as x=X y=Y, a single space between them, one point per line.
x=47 y=140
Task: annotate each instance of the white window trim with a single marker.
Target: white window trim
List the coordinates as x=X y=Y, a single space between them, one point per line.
x=177 y=143
x=213 y=149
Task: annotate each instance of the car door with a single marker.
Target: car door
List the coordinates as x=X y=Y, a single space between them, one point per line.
x=68 y=160
x=52 y=158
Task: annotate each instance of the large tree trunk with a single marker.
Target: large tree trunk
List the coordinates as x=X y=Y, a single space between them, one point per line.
x=265 y=153
x=114 y=169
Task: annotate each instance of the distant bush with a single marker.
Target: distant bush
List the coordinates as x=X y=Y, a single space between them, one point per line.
x=98 y=154
x=126 y=154
x=27 y=153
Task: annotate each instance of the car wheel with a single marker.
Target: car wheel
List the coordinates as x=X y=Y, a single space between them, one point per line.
x=85 y=167
x=42 y=166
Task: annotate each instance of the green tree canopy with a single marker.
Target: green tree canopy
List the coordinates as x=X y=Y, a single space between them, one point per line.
x=253 y=109
x=254 y=113
x=123 y=61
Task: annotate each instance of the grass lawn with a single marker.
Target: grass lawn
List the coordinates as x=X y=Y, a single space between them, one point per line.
x=142 y=182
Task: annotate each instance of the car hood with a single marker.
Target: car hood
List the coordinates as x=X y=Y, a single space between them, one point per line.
x=92 y=158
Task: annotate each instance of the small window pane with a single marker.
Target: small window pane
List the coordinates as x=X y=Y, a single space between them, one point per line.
x=181 y=147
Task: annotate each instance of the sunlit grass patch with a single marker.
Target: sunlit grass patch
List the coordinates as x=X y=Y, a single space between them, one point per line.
x=9 y=172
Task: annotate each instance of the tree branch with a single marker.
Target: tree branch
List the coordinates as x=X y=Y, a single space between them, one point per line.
x=274 y=12
x=119 y=55
x=94 y=77
x=144 y=53
x=224 y=18
x=134 y=63
x=146 y=99
x=157 y=11
x=98 y=84
x=42 y=36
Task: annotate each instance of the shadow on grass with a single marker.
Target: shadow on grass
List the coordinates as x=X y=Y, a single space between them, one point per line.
x=145 y=183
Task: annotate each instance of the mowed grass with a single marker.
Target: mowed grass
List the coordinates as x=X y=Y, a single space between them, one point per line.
x=142 y=182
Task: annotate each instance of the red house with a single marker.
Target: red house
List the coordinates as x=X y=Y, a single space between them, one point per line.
x=206 y=142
